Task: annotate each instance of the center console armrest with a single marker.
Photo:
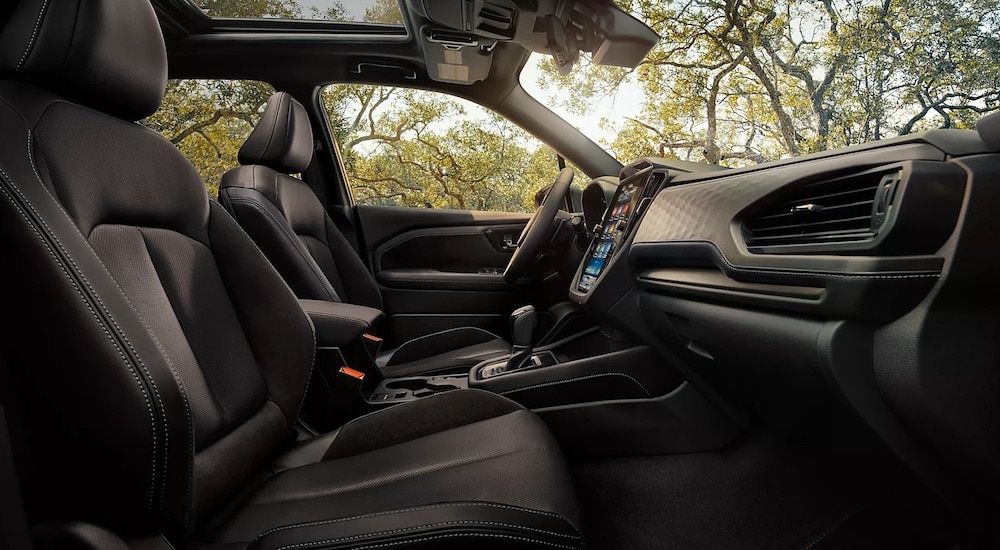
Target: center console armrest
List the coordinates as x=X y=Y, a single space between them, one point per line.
x=338 y=324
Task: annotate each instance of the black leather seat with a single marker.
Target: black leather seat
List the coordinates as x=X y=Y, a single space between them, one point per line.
x=290 y=225
x=162 y=362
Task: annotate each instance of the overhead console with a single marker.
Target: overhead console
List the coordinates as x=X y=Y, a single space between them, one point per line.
x=459 y=40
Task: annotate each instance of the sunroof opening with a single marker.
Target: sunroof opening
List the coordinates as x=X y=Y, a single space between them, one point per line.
x=343 y=11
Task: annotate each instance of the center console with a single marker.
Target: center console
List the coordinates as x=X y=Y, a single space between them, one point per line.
x=598 y=391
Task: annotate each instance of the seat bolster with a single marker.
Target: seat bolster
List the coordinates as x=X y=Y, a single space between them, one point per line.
x=132 y=453
x=267 y=226
x=303 y=453
x=417 y=419
x=440 y=525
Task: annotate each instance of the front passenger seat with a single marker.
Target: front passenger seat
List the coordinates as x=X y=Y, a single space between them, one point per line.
x=290 y=225
x=159 y=363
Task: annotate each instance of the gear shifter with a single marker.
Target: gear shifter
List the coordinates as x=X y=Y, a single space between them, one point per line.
x=522 y=327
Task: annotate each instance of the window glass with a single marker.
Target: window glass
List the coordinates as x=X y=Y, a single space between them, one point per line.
x=742 y=83
x=208 y=121
x=367 y=11
x=404 y=147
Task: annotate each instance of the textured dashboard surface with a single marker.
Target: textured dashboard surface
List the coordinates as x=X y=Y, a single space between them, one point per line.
x=704 y=210
x=699 y=211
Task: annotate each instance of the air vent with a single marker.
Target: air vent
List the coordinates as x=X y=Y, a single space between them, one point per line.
x=847 y=210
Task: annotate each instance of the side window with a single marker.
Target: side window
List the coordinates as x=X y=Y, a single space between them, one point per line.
x=405 y=147
x=208 y=121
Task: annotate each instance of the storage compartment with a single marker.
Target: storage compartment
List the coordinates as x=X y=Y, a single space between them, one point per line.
x=398 y=390
x=769 y=363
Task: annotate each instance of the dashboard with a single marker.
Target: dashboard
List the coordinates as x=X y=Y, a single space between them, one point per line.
x=851 y=284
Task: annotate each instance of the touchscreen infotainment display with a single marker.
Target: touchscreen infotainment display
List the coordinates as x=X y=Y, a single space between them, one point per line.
x=609 y=236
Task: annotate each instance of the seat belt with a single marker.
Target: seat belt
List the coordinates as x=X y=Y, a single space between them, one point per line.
x=13 y=522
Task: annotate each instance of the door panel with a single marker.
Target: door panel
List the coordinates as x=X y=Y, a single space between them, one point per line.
x=382 y=223
x=442 y=269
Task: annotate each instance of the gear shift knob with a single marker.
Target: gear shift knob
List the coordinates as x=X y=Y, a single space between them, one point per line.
x=522 y=326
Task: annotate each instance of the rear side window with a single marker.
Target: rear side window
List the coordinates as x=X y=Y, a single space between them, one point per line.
x=208 y=121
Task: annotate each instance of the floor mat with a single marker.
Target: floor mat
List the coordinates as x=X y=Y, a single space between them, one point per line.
x=761 y=495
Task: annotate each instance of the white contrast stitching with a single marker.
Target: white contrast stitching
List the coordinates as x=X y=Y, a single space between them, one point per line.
x=557 y=382
x=104 y=328
x=441 y=524
x=34 y=34
x=391 y=512
x=180 y=385
x=832 y=528
x=83 y=278
x=436 y=537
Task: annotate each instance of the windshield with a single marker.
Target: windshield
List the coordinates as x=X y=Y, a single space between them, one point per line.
x=738 y=82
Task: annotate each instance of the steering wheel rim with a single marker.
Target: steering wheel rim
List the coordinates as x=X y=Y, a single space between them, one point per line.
x=536 y=234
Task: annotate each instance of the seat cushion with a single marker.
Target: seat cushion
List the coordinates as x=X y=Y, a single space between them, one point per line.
x=453 y=350
x=495 y=480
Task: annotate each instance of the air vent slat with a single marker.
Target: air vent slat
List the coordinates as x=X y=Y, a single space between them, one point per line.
x=845 y=235
x=835 y=197
x=789 y=215
x=855 y=222
x=835 y=211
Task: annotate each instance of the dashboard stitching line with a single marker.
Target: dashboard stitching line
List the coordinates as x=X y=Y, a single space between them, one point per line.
x=803 y=273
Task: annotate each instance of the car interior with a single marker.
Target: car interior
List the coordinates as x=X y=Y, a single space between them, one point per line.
x=799 y=354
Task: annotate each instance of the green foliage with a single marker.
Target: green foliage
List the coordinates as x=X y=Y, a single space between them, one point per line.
x=403 y=147
x=383 y=11
x=208 y=120
x=732 y=82
x=736 y=82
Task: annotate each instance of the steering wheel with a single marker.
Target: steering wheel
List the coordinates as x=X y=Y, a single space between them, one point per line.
x=539 y=230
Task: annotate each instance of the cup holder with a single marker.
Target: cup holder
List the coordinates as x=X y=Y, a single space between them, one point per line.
x=414 y=387
x=412 y=384
x=420 y=387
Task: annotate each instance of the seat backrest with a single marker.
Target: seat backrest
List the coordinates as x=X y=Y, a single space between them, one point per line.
x=161 y=359
x=283 y=215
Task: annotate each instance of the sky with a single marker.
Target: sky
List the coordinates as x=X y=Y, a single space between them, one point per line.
x=627 y=102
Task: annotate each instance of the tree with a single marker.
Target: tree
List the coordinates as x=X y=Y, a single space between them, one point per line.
x=407 y=147
x=208 y=120
x=745 y=81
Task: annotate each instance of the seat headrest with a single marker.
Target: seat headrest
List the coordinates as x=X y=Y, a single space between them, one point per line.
x=283 y=139
x=106 y=54
x=989 y=130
